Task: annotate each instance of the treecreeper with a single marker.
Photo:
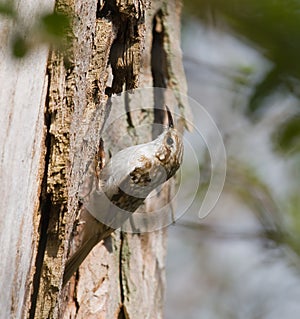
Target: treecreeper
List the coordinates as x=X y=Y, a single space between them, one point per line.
x=122 y=186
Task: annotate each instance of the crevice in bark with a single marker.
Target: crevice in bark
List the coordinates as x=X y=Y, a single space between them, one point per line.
x=158 y=70
x=125 y=51
x=106 y=10
x=45 y=207
x=100 y=7
x=127 y=109
x=121 y=314
x=76 y=302
x=117 y=48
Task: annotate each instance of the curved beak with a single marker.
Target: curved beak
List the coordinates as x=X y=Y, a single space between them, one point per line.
x=170 y=118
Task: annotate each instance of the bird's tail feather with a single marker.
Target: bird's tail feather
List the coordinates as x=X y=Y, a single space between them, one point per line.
x=79 y=256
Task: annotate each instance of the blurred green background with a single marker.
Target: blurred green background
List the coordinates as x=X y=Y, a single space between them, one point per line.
x=243 y=261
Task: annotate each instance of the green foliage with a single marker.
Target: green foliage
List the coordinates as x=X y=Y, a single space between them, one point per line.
x=19 y=46
x=55 y=24
x=52 y=28
x=287 y=136
x=7 y=8
x=274 y=27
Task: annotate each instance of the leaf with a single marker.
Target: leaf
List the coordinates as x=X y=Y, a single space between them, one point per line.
x=271 y=25
x=19 y=46
x=263 y=89
x=287 y=136
x=7 y=8
x=56 y=24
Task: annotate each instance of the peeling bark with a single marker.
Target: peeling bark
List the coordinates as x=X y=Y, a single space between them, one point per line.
x=117 y=45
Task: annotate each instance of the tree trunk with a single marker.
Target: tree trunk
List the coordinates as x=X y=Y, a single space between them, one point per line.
x=117 y=45
x=22 y=102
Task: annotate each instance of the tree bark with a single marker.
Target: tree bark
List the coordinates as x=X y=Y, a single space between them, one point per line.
x=22 y=102
x=117 y=45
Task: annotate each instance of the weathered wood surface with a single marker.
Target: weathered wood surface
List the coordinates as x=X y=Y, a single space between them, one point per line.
x=117 y=45
x=22 y=101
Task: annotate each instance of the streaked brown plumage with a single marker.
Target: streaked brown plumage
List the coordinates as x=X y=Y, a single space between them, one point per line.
x=124 y=183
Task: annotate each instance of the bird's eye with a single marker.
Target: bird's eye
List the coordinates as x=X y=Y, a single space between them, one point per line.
x=170 y=141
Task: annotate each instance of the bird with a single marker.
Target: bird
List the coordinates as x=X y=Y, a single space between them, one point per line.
x=122 y=187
